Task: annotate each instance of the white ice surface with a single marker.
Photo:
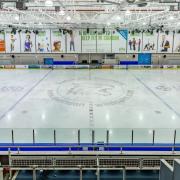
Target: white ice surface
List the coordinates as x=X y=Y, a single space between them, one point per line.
x=89 y=98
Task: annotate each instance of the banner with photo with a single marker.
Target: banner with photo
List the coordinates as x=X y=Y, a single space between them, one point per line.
x=2 y=42
x=134 y=42
x=150 y=42
x=176 y=47
x=104 y=41
x=13 y=42
x=89 y=40
x=58 y=41
x=119 y=41
x=165 y=42
x=43 y=42
x=27 y=42
x=73 y=41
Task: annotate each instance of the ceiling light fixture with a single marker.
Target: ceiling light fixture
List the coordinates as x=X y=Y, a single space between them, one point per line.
x=48 y=3
x=128 y=12
x=61 y=12
x=108 y=23
x=171 y=18
x=68 y=18
x=16 y=18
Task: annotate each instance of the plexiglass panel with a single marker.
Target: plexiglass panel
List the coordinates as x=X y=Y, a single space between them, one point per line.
x=143 y=136
x=23 y=135
x=100 y=135
x=67 y=135
x=5 y=136
x=44 y=135
x=164 y=135
x=86 y=135
x=120 y=135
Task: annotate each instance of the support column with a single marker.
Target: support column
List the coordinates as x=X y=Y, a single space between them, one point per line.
x=34 y=173
x=98 y=174
x=124 y=174
x=10 y=164
x=80 y=173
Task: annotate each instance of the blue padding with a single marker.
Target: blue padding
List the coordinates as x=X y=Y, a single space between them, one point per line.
x=48 y=61
x=128 y=62
x=144 y=58
x=64 y=62
x=112 y=149
x=177 y=148
x=44 y=149
x=147 y=148
x=88 y=146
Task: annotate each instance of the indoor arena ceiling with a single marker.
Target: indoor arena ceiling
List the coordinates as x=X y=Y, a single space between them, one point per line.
x=132 y=14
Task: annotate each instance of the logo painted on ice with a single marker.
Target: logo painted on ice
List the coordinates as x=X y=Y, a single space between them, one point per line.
x=98 y=91
x=11 y=89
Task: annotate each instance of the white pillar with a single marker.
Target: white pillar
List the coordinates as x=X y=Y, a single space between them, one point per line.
x=34 y=174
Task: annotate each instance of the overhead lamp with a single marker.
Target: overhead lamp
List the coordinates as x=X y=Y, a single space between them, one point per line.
x=108 y=23
x=171 y=18
x=16 y=18
x=118 y=17
x=128 y=12
x=61 y=12
x=68 y=18
x=48 y=3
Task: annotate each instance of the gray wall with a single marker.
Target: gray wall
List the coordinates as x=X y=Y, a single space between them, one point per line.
x=177 y=169
x=166 y=171
x=171 y=59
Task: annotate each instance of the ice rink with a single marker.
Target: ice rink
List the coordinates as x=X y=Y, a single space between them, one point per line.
x=90 y=98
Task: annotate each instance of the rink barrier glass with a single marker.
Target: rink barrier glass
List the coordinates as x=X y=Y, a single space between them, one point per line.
x=90 y=139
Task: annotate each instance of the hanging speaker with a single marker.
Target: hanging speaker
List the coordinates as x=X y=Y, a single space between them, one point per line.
x=21 y=5
x=57 y=8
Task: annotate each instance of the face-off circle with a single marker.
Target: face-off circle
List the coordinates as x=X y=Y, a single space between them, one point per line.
x=96 y=91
